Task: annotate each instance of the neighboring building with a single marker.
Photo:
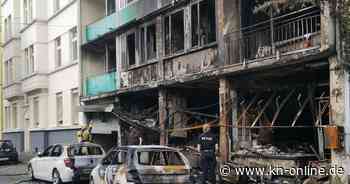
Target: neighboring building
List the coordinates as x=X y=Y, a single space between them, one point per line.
x=266 y=71
x=41 y=102
x=12 y=64
x=1 y=84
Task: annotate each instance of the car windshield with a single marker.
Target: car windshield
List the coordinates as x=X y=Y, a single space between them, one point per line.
x=159 y=157
x=84 y=150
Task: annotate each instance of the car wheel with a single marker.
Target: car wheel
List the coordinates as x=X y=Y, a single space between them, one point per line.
x=56 y=178
x=31 y=172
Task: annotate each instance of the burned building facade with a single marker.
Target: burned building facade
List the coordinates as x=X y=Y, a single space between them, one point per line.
x=270 y=76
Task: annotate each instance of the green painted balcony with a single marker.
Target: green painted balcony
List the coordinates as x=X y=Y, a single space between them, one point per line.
x=101 y=27
x=100 y=84
x=131 y=12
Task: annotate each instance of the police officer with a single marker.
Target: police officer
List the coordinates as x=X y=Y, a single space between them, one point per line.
x=207 y=147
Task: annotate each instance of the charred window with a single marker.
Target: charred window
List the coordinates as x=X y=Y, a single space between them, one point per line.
x=174 y=32
x=203 y=23
x=151 y=41
x=142 y=43
x=110 y=57
x=131 y=48
x=148 y=45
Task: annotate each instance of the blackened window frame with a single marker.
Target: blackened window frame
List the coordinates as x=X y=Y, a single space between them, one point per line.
x=168 y=27
x=211 y=38
x=143 y=43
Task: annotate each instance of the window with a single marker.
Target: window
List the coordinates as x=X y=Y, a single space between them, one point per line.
x=29 y=59
x=7 y=117
x=58 y=52
x=123 y=3
x=47 y=151
x=6 y=29
x=56 y=151
x=151 y=40
x=110 y=57
x=75 y=103
x=74 y=43
x=56 y=5
x=142 y=45
x=110 y=6
x=81 y=150
x=59 y=108
x=174 y=30
x=14 y=115
x=159 y=158
x=115 y=158
x=9 y=72
x=10 y=26
x=203 y=23
x=36 y=111
x=30 y=8
x=27 y=11
x=148 y=46
x=131 y=49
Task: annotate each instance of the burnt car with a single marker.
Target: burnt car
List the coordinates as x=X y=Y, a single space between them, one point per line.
x=8 y=152
x=142 y=165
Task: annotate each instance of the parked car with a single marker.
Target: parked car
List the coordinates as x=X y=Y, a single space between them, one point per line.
x=8 y=152
x=142 y=164
x=71 y=163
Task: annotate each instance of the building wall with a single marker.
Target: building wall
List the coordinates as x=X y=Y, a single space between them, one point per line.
x=46 y=80
x=11 y=51
x=64 y=79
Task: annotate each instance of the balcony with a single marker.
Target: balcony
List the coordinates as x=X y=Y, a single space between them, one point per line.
x=133 y=11
x=274 y=39
x=100 y=84
x=101 y=27
x=13 y=90
x=34 y=82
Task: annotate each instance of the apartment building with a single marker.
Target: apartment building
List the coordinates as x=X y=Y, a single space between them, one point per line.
x=268 y=75
x=1 y=84
x=42 y=97
x=12 y=67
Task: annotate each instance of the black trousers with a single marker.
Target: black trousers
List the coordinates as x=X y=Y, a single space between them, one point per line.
x=208 y=167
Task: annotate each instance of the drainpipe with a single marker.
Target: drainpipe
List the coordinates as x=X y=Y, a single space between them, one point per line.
x=347 y=113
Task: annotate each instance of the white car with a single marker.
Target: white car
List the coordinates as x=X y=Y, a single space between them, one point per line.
x=71 y=163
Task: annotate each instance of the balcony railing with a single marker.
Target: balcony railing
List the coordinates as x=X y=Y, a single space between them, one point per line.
x=274 y=38
x=100 y=84
x=101 y=27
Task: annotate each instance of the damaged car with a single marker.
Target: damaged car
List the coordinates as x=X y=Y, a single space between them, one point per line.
x=142 y=164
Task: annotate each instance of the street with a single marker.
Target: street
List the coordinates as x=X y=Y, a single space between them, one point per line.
x=15 y=174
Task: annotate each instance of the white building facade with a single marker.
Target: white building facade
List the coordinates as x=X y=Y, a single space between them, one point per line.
x=46 y=95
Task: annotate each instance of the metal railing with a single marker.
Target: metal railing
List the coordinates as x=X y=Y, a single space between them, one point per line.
x=273 y=38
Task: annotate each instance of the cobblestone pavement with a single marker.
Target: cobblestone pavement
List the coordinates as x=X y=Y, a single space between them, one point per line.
x=15 y=174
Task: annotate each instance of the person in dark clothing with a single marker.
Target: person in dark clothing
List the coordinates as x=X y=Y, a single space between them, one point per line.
x=207 y=147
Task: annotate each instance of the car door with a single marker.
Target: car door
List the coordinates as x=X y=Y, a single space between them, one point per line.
x=40 y=162
x=52 y=160
x=118 y=160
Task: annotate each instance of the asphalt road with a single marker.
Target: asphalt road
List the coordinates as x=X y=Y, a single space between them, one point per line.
x=15 y=174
